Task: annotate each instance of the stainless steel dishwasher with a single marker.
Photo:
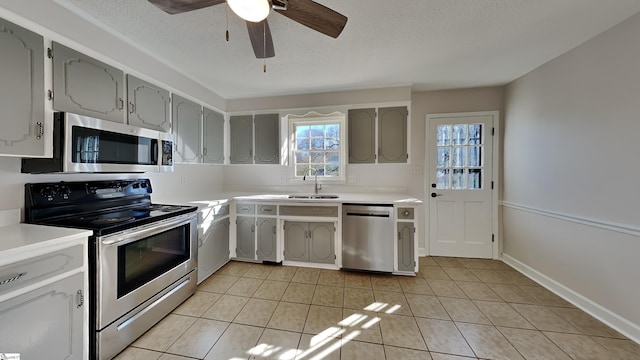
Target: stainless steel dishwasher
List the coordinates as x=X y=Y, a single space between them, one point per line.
x=367 y=237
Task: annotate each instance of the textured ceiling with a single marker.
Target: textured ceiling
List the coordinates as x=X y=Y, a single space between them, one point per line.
x=428 y=44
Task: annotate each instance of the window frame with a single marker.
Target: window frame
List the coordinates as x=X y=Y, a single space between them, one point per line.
x=319 y=119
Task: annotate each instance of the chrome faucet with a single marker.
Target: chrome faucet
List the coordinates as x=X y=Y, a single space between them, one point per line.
x=317 y=186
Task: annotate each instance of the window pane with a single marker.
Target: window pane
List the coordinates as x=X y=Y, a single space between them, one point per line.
x=444 y=154
x=332 y=131
x=333 y=169
x=459 y=158
x=300 y=169
x=475 y=134
x=317 y=158
x=332 y=157
x=475 y=179
x=458 y=179
x=460 y=134
x=317 y=131
x=442 y=179
x=331 y=144
x=475 y=156
x=302 y=157
x=302 y=144
x=317 y=144
x=302 y=131
x=444 y=135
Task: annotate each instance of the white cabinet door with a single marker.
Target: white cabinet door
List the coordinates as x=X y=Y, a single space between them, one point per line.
x=22 y=122
x=45 y=323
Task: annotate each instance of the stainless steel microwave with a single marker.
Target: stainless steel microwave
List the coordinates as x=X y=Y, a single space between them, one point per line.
x=83 y=144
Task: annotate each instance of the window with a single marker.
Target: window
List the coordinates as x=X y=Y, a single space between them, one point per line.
x=316 y=143
x=460 y=156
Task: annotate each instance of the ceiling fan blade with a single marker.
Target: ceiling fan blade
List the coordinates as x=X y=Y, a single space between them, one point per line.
x=315 y=16
x=260 y=36
x=180 y=6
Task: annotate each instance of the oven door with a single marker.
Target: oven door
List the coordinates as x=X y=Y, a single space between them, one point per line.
x=136 y=264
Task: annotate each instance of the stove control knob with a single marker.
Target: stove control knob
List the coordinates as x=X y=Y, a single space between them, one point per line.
x=64 y=191
x=136 y=185
x=48 y=193
x=143 y=185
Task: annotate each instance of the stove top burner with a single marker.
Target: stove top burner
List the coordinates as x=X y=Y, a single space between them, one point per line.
x=85 y=205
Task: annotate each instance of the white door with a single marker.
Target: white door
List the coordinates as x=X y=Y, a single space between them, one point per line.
x=459 y=188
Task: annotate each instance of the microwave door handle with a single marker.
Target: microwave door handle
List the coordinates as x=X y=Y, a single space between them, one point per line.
x=154 y=152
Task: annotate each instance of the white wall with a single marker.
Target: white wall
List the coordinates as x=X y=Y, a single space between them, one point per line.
x=571 y=200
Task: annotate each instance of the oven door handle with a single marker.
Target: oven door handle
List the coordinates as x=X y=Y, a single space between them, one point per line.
x=130 y=236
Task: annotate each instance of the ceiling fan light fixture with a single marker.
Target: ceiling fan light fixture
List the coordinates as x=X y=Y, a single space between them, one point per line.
x=250 y=10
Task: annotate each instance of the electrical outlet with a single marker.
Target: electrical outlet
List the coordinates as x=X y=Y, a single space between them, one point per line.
x=183 y=180
x=283 y=179
x=352 y=179
x=416 y=170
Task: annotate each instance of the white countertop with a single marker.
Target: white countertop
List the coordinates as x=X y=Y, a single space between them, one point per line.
x=19 y=240
x=206 y=201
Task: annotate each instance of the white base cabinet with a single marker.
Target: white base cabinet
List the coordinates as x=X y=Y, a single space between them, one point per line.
x=213 y=240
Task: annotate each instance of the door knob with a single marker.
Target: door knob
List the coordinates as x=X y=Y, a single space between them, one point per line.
x=435 y=195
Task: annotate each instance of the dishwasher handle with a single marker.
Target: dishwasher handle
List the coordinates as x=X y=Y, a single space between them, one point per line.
x=370 y=213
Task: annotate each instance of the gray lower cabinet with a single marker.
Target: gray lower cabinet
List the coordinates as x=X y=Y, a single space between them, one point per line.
x=47 y=322
x=213 y=248
x=309 y=242
x=361 y=125
x=245 y=237
x=266 y=231
x=406 y=259
x=241 y=139
x=267 y=143
x=213 y=134
x=187 y=119
x=86 y=86
x=22 y=129
x=148 y=105
x=392 y=135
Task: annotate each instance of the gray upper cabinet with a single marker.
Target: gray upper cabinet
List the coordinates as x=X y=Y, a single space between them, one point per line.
x=241 y=131
x=148 y=105
x=22 y=91
x=362 y=136
x=86 y=86
x=213 y=129
x=187 y=117
x=392 y=135
x=267 y=127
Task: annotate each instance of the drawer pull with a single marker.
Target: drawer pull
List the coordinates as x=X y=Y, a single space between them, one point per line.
x=12 y=278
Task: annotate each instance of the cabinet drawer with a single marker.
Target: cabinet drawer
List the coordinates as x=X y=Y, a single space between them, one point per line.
x=405 y=213
x=244 y=208
x=26 y=272
x=330 y=211
x=268 y=209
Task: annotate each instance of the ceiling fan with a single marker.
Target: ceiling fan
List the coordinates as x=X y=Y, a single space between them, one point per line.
x=254 y=12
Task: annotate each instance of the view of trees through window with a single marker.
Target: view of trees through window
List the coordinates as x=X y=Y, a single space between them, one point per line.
x=317 y=146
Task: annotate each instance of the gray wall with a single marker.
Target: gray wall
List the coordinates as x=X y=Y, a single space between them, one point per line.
x=571 y=199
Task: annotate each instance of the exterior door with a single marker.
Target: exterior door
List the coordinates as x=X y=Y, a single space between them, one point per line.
x=460 y=185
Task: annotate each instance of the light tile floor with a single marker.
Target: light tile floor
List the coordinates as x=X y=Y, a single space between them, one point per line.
x=453 y=309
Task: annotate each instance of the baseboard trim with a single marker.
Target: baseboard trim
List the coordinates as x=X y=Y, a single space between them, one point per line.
x=615 y=321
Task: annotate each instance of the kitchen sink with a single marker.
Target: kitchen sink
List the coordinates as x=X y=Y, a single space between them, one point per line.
x=313 y=196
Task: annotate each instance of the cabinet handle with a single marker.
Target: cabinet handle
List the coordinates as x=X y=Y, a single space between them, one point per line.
x=274 y=229
x=399 y=235
x=204 y=151
x=40 y=130
x=132 y=107
x=253 y=228
x=121 y=104
x=79 y=299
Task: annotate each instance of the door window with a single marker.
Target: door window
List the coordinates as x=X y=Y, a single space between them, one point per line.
x=459 y=161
